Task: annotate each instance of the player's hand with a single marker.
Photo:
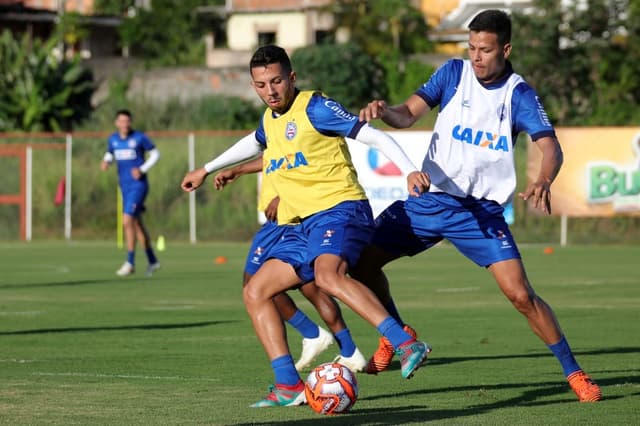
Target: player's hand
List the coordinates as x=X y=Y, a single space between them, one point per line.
x=193 y=179
x=223 y=178
x=271 y=212
x=104 y=166
x=136 y=173
x=418 y=182
x=375 y=109
x=540 y=194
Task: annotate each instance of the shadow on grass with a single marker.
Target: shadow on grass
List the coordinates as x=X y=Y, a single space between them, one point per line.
x=114 y=328
x=56 y=284
x=530 y=396
x=395 y=365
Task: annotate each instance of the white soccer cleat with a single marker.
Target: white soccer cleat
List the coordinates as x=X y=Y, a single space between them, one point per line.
x=152 y=268
x=355 y=362
x=125 y=269
x=311 y=348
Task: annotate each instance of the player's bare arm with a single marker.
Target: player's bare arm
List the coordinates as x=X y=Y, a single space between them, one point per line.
x=227 y=176
x=399 y=116
x=193 y=179
x=540 y=190
x=245 y=149
x=271 y=212
x=418 y=182
x=136 y=173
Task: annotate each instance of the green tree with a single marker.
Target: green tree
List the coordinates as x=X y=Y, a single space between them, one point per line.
x=582 y=58
x=37 y=90
x=381 y=25
x=345 y=72
x=169 y=32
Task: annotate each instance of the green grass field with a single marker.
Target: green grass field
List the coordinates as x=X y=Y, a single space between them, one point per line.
x=80 y=346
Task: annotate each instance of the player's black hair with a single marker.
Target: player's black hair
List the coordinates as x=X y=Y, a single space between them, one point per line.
x=270 y=54
x=123 y=112
x=493 y=21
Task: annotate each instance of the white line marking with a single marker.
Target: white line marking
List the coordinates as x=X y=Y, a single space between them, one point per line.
x=21 y=313
x=456 y=289
x=127 y=376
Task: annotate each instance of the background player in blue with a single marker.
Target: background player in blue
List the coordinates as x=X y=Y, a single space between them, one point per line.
x=483 y=106
x=127 y=147
x=302 y=138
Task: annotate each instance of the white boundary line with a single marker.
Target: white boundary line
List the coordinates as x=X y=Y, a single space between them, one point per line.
x=126 y=376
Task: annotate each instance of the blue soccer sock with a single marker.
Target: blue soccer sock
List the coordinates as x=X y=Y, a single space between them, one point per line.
x=131 y=256
x=307 y=328
x=285 y=371
x=151 y=256
x=392 y=330
x=345 y=342
x=393 y=311
x=562 y=351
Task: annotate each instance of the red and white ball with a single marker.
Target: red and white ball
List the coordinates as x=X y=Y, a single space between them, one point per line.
x=331 y=388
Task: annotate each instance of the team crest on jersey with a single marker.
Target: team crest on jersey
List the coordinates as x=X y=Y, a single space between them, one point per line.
x=131 y=143
x=291 y=131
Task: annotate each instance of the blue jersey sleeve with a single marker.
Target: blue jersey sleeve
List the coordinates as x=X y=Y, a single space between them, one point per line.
x=528 y=113
x=330 y=118
x=441 y=86
x=260 y=134
x=146 y=143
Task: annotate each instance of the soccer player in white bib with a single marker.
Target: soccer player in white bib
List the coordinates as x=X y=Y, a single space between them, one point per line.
x=483 y=104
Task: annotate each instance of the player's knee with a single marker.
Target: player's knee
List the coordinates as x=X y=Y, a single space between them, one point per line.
x=326 y=281
x=522 y=300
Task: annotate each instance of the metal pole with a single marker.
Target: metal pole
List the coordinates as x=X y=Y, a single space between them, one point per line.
x=192 y=195
x=67 y=189
x=563 y=230
x=29 y=195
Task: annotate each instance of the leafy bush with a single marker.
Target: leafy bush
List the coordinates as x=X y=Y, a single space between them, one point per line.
x=38 y=91
x=343 y=71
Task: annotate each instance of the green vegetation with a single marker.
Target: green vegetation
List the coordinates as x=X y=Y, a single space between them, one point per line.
x=582 y=61
x=38 y=91
x=80 y=346
x=345 y=72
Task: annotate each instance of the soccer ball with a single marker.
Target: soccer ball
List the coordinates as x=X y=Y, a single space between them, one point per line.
x=331 y=388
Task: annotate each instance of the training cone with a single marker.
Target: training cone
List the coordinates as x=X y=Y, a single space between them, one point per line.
x=220 y=260
x=160 y=246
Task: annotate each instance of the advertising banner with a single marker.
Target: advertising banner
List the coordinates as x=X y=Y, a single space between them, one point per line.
x=381 y=178
x=600 y=175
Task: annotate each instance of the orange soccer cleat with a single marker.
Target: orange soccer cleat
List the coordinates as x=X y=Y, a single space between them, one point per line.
x=586 y=389
x=382 y=357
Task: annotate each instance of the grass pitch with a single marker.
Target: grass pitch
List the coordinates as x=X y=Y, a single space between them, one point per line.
x=79 y=345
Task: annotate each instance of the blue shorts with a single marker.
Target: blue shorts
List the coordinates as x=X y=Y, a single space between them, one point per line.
x=133 y=199
x=475 y=227
x=343 y=230
x=285 y=243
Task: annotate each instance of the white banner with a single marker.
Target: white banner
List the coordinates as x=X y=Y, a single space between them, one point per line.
x=381 y=178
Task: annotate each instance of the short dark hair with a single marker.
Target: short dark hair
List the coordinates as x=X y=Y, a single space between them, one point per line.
x=270 y=54
x=123 y=112
x=493 y=21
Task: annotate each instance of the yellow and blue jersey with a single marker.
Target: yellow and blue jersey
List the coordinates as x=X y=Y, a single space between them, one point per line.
x=306 y=157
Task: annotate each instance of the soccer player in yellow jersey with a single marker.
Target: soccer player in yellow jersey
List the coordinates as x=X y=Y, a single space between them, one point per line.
x=315 y=338
x=302 y=139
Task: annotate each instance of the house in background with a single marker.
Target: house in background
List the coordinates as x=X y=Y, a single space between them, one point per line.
x=39 y=17
x=250 y=23
x=449 y=20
